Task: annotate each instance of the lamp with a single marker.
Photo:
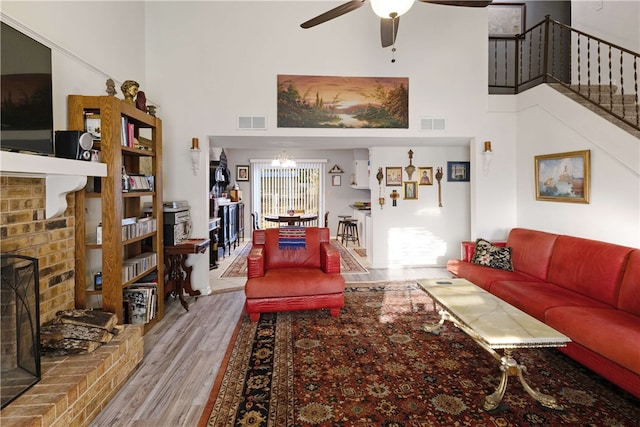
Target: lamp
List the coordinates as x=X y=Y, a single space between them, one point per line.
x=284 y=161
x=486 y=159
x=195 y=155
x=391 y=8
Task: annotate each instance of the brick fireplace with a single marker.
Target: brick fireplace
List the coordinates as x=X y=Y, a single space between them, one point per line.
x=73 y=389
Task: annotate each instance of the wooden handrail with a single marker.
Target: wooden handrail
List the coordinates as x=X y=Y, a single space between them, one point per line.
x=553 y=52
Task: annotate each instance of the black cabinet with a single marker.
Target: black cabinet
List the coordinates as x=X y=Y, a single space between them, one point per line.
x=229 y=225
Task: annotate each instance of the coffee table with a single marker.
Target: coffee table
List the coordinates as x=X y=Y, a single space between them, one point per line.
x=493 y=324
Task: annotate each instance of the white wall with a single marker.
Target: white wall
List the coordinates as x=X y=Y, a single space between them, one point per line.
x=549 y=122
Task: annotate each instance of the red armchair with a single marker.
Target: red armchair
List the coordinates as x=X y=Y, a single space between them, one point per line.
x=289 y=279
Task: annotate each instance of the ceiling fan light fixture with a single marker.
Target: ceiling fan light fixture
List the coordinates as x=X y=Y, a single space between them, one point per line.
x=391 y=8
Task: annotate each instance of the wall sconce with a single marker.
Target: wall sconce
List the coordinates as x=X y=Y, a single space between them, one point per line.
x=487 y=154
x=195 y=155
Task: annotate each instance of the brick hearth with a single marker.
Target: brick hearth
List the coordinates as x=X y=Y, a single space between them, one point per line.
x=74 y=389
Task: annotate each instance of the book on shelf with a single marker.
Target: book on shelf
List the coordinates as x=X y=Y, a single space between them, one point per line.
x=141 y=302
x=138 y=227
x=138 y=264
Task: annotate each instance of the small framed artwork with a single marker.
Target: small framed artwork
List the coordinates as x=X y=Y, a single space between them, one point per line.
x=335 y=180
x=394 y=176
x=563 y=177
x=506 y=19
x=242 y=173
x=410 y=190
x=425 y=175
x=458 y=171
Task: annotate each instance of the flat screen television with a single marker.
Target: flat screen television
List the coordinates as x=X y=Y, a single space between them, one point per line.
x=26 y=109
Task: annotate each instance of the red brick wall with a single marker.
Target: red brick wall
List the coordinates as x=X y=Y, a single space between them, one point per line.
x=25 y=231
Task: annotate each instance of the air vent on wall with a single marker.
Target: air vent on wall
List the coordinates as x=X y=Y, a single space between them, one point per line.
x=432 y=123
x=252 y=122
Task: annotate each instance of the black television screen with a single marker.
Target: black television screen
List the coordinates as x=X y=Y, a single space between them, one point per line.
x=26 y=93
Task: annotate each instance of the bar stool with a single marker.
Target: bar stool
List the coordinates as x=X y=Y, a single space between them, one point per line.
x=351 y=232
x=342 y=227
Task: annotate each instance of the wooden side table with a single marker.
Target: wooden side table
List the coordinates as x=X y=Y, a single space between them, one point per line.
x=175 y=259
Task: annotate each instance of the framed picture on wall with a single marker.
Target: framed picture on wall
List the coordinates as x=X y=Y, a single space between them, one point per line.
x=425 y=176
x=242 y=173
x=394 y=176
x=563 y=177
x=410 y=190
x=336 y=180
x=458 y=171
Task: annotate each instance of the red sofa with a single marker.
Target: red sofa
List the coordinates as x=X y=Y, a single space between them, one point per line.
x=586 y=289
x=293 y=279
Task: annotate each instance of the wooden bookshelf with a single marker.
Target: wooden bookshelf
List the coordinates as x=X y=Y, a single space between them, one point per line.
x=112 y=204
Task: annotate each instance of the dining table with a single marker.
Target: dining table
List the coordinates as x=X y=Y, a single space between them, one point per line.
x=295 y=219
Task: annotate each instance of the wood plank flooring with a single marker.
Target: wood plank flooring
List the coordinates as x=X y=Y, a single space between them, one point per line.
x=183 y=354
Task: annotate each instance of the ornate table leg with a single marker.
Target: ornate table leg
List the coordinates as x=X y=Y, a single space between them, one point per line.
x=178 y=261
x=187 y=281
x=435 y=328
x=510 y=367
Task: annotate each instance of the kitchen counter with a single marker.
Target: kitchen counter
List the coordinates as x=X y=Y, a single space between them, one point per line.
x=360 y=208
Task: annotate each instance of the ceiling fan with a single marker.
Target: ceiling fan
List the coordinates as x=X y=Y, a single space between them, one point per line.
x=389 y=12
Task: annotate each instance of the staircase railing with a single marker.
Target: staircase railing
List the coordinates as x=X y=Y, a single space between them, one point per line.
x=602 y=73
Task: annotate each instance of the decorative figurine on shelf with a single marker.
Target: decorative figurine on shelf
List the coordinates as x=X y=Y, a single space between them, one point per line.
x=410 y=169
x=129 y=89
x=394 y=197
x=380 y=177
x=111 y=87
x=151 y=109
x=439 y=178
x=141 y=101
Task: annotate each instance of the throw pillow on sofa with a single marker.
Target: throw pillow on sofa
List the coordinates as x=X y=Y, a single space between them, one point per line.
x=490 y=255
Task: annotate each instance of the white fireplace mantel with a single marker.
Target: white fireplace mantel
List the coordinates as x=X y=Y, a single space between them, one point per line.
x=62 y=176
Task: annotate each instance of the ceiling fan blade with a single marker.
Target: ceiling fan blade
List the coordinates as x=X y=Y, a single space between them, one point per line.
x=389 y=30
x=333 y=13
x=464 y=3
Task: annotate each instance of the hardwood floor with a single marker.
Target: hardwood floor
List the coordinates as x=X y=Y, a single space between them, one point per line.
x=183 y=354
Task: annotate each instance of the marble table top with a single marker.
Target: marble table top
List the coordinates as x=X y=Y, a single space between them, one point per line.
x=494 y=322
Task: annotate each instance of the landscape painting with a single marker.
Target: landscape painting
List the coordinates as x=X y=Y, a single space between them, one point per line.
x=563 y=177
x=343 y=102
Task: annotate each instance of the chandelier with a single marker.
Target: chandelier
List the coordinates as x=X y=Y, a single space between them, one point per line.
x=284 y=160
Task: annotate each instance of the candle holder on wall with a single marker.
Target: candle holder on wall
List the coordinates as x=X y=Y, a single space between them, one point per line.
x=410 y=169
x=487 y=154
x=439 y=178
x=380 y=177
x=195 y=160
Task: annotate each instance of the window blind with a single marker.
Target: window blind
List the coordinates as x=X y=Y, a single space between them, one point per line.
x=276 y=190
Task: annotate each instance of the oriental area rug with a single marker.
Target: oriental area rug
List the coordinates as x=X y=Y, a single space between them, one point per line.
x=348 y=263
x=375 y=366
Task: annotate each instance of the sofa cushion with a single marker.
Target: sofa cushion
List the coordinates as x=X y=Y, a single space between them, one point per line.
x=629 y=296
x=614 y=334
x=489 y=255
x=531 y=251
x=535 y=298
x=484 y=276
x=589 y=267
x=290 y=282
